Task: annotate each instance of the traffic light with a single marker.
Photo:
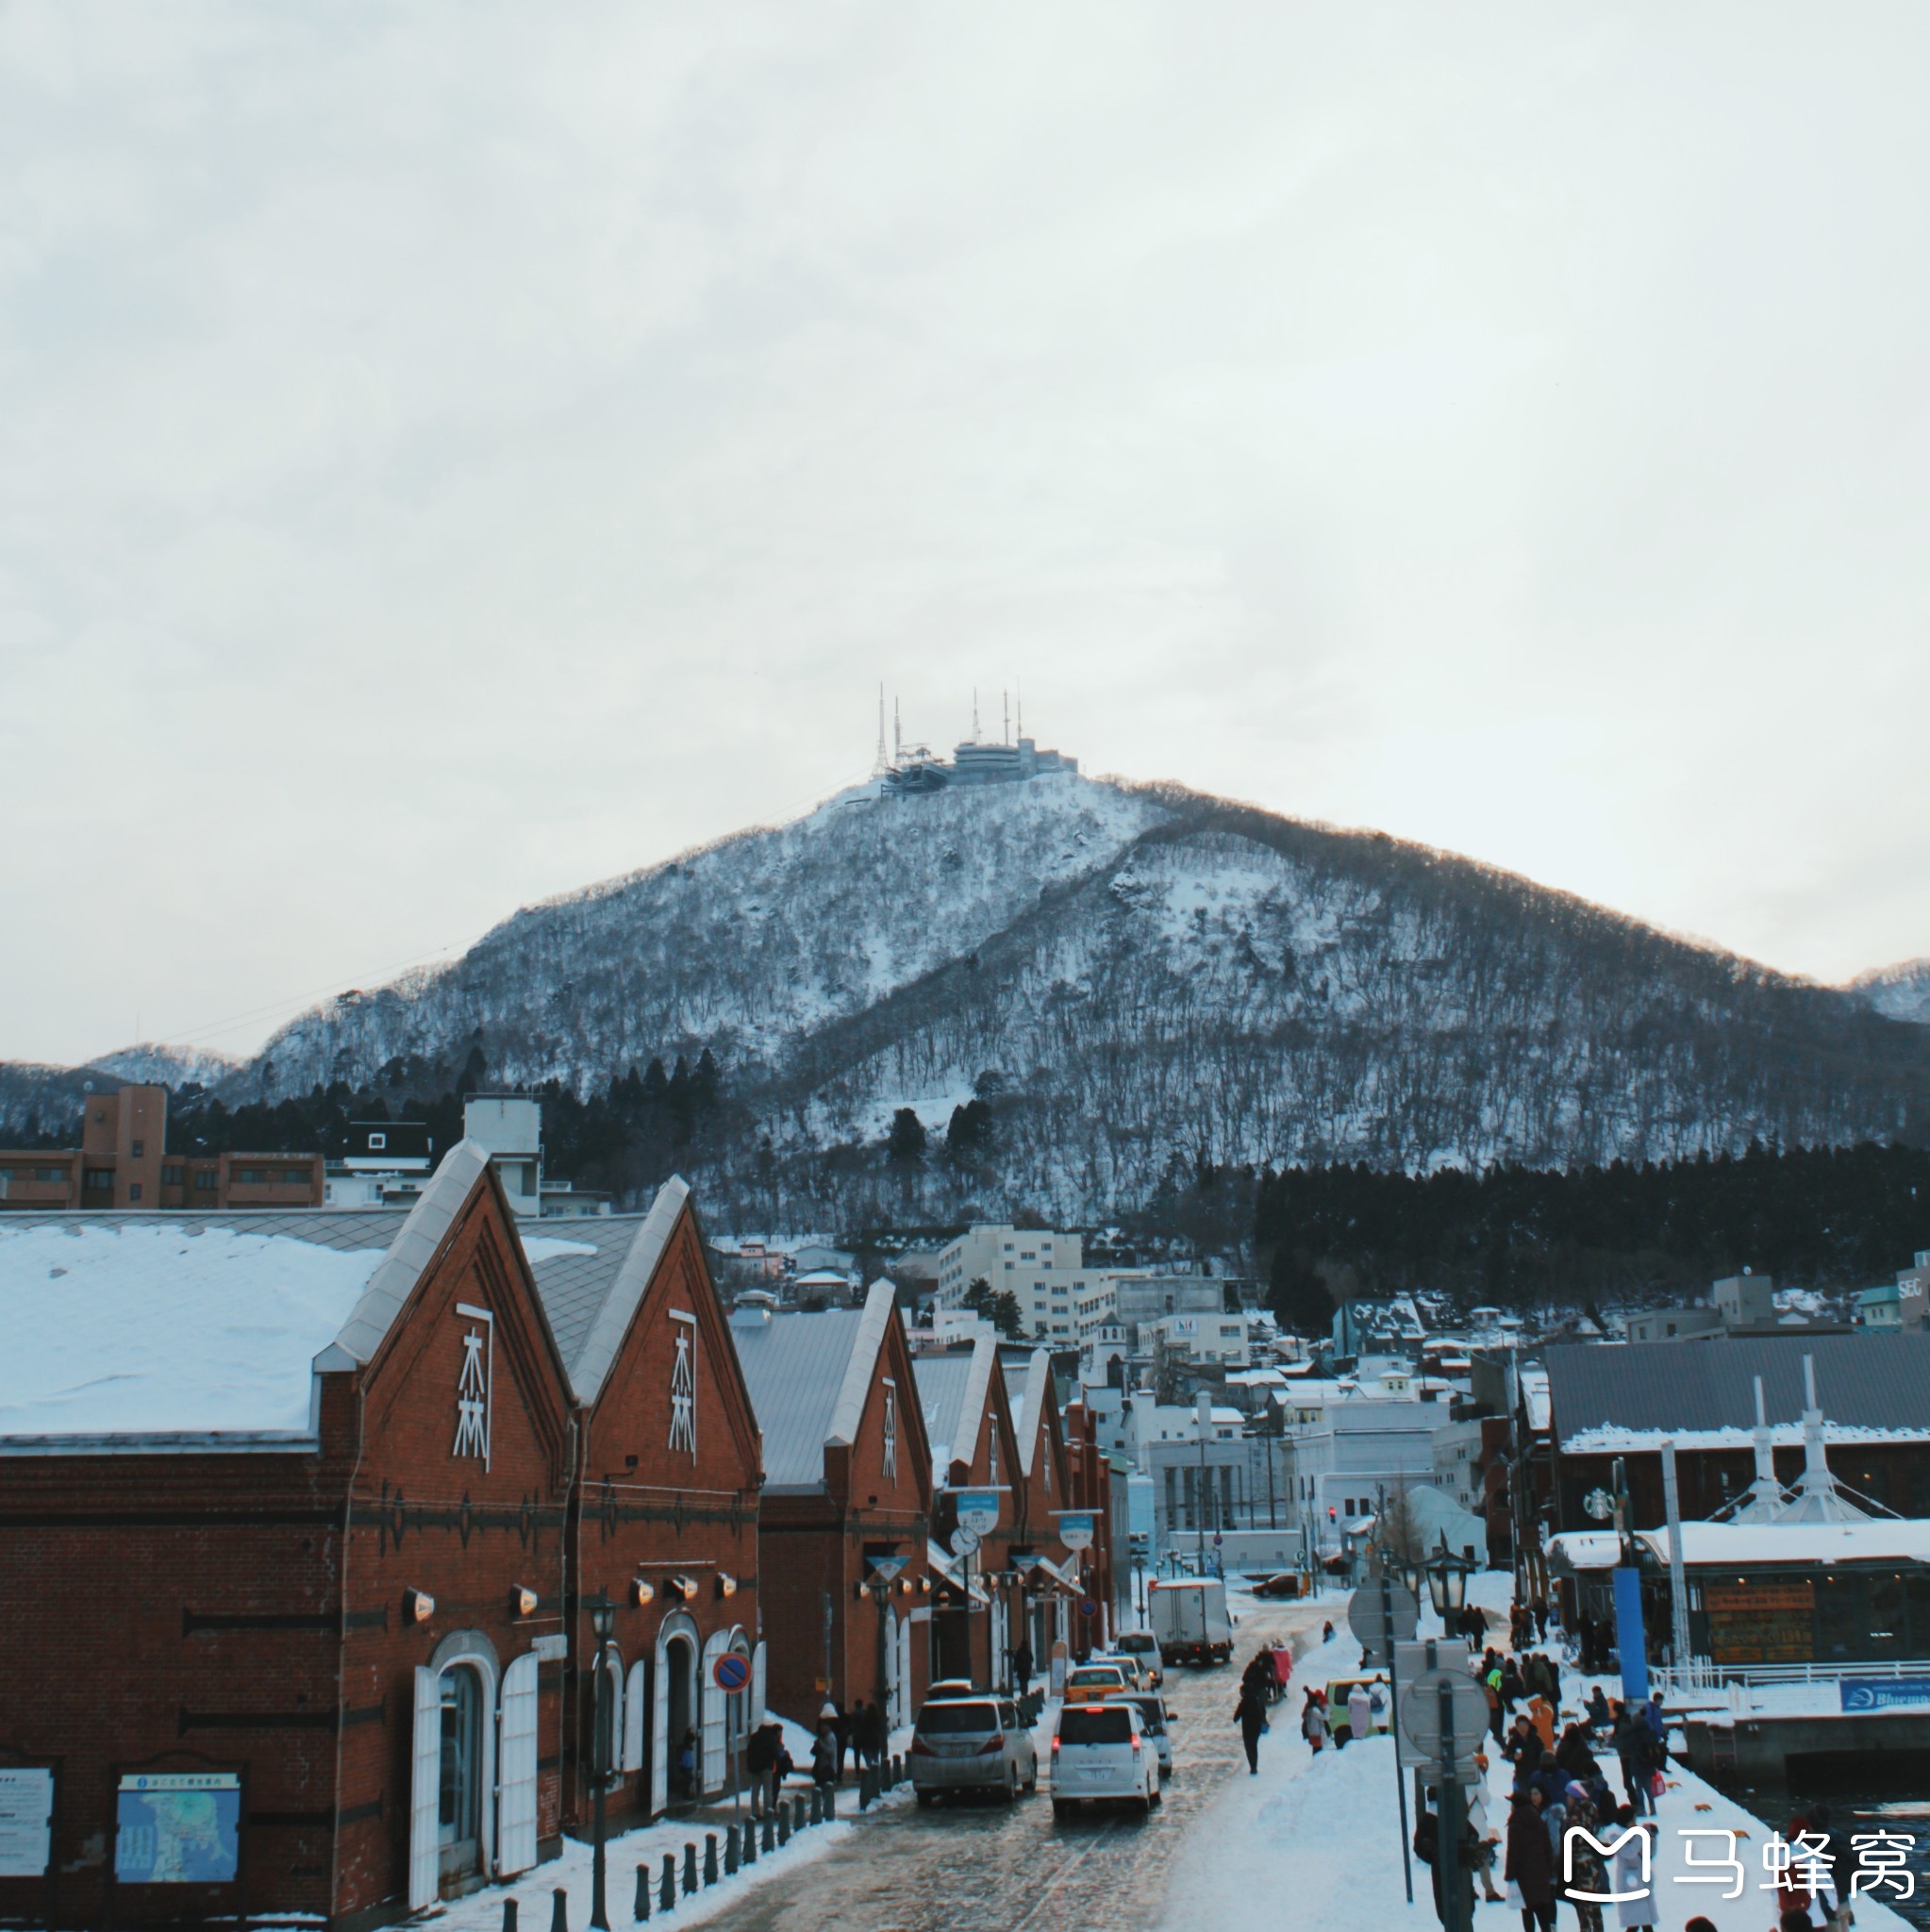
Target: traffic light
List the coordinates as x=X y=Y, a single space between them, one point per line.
x=1333 y=1515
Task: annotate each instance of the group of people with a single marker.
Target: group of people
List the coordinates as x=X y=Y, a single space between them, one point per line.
x=1513 y=1680
x=1262 y=1684
x=861 y=1733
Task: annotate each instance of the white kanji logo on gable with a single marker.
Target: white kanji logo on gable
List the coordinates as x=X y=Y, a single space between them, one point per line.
x=474 y=1389
x=683 y=1385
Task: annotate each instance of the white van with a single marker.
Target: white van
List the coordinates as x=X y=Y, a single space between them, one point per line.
x=1101 y=1753
x=1188 y=1617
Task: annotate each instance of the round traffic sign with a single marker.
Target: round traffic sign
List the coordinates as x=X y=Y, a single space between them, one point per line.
x=1419 y=1715
x=1087 y=1608
x=1368 y=1617
x=732 y=1670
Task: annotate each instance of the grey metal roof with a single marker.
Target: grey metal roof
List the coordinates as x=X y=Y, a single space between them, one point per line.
x=1862 y=1381
x=941 y=1382
x=588 y=1361
x=795 y=1366
x=342 y=1228
x=1024 y=1388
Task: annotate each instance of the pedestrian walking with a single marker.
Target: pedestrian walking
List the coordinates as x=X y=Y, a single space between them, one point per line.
x=1582 y=1870
x=1530 y=1867
x=1283 y=1671
x=826 y=1749
x=1250 y=1714
x=1427 y=1849
x=877 y=1736
x=1487 y=1839
x=1636 y=1913
x=855 y=1729
x=1022 y=1664
x=1359 y=1713
x=1539 y=1607
x=1313 y=1722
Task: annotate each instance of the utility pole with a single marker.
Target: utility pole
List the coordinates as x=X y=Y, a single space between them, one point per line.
x=1202 y=1412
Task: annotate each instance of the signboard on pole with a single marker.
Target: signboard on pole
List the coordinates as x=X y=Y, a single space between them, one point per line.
x=1420 y=1718
x=1075 y=1529
x=979 y=1509
x=1372 y=1625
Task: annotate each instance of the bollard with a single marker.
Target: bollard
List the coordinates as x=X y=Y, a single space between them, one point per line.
x=897 y=1773
x=797 y=1815
x=817 y=1815
x=750 y=1854
x=830 y=1805
x=784 y=1824
x=709 y=1857
x=509 y=1915
x=864 y=1789
x=690 y=1869
x=730 y=1856
x=642 y=1907
x=666 y=1892
x=770 y=1843
x=559 y=1910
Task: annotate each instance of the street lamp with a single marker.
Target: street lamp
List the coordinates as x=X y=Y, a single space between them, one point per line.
x=602 y=1619
x=1447 y=1579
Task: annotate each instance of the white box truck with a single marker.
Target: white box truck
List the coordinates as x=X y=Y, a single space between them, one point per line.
x=1188 y=1617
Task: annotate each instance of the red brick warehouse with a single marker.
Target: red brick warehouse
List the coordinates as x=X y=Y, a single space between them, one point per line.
x=846 y=1507
x=330 y=1610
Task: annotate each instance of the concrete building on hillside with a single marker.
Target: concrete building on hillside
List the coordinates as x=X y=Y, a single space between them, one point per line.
x=1043 y=1268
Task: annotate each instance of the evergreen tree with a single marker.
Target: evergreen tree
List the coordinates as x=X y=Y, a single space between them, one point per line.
x=906 y=1143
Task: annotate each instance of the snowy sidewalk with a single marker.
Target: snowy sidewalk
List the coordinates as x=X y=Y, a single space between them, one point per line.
x=1315 y=1840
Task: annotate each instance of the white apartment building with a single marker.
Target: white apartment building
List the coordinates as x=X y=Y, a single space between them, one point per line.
x=1043 y=1268
x=1215 y=1337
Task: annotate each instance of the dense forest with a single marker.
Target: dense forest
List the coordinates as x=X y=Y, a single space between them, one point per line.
x=1524 y=1237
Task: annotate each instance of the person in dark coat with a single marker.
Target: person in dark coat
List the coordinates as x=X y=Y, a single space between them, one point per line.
x=1540 y=1611
x=1250 y=1714
x=1512 y=1688
x=1023 y=1666
x=1530 y=1867
x=1629 y=1738
x=853 y=1729
x=1427 y=1849
x=1574 y=1756
x=760 y=1749
x=826 y=1753
x=1599 y=1719
x=875 y=1737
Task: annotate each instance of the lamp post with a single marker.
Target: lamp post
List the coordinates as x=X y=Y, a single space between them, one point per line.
x=1447 y=1584
x=603 y=1618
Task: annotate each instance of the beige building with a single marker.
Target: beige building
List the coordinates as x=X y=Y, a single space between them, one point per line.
x=1044 y=1269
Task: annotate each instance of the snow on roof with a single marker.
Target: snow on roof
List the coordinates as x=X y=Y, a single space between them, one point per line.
x=1614 y=1441
x=1022 y=1390
x=119 y=1330
x=1535 y=1394
x=1724 y=1545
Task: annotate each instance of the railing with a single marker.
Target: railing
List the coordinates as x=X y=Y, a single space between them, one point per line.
x=1701 y=1676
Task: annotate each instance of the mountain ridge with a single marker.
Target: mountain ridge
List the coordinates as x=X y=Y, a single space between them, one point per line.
x=1126 y=975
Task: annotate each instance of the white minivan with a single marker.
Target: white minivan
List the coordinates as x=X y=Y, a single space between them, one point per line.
x=1101 y=1753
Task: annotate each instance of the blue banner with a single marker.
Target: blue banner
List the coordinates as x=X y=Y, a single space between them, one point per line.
x=1630 y=1638
x=1883 y=1694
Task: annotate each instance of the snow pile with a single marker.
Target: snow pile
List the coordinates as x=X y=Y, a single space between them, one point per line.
x=147 y=1329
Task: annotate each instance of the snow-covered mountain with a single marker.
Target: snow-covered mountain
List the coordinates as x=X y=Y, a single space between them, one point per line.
x=1900 y=993
x=1129 y=975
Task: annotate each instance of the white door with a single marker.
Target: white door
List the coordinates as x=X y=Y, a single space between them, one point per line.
x=710 y=1727
x=424 y=1790
x=633 y=1718
x=901 y=1715
x=758 y=1681
x=516 y=1769
x=660 y=1736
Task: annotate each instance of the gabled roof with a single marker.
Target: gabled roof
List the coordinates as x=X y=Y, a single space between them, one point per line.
x=1862 y=1382
x=1028 y=1387
x=953 y=1392
x=808 y=1377
x=592 y=1279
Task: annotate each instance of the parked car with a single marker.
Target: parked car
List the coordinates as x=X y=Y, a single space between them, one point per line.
x=971 y=1744
x=953 y=1687
x=1097 y=1680
x=1284 y=1583
x=1189 y=1618
x=1145 y=1646
x=1101 y=1753
x=1158 y=1722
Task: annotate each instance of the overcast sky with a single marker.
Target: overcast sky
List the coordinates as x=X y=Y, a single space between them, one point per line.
x=449 y=454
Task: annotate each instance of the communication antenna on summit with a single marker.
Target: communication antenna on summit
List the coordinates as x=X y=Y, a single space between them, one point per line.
x=897 y=735
x=879 y=769
x=1021 y=711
